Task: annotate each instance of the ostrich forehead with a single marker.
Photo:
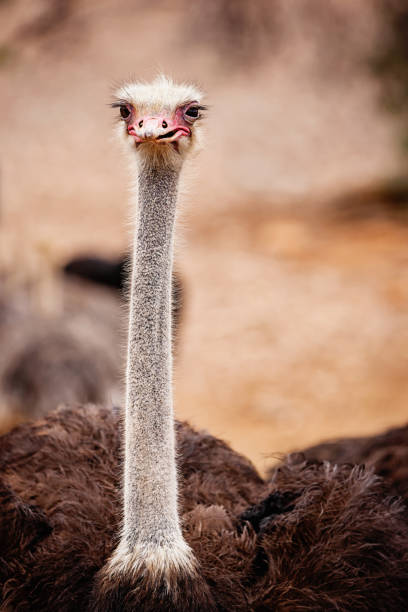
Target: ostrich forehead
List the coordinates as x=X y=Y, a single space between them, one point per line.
x=161 y=94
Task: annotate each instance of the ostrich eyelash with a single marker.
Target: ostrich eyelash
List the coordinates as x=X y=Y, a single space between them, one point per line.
x=118 y=103
x=201 y=107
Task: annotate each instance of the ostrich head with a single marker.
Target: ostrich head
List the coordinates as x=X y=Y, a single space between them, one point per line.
x=160 y=120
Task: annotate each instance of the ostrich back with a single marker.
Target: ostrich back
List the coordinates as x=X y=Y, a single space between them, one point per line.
x=386 y=453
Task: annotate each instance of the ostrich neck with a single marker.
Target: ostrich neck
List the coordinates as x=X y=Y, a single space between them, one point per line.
x=150 y=484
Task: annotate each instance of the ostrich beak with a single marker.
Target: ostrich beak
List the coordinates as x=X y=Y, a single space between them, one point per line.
x=160 y=129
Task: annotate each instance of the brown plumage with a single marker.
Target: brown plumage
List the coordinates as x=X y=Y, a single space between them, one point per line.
x=315 y=537
x=386 y=453
x=67 y=356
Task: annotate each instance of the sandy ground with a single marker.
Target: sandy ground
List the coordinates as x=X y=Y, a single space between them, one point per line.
x=296 y=330
x=295 y=325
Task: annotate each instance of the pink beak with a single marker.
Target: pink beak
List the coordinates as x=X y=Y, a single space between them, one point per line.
x=158 y=129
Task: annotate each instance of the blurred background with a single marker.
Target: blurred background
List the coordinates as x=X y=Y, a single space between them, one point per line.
x=293 y=249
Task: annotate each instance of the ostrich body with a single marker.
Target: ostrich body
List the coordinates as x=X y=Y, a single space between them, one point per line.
x=386 y=453
x=48 y=359
x=315 y=537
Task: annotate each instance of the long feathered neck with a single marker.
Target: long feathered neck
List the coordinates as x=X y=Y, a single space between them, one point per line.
x=150 y=472
x=151 y=530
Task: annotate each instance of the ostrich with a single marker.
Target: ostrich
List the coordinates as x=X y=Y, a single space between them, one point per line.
x=51 y=358
x=386 y=453
x=101 y=271
x=212 y=534
x=114 y=274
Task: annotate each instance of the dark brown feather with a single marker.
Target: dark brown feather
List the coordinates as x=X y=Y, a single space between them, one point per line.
x=316 y=537
x=386 y=453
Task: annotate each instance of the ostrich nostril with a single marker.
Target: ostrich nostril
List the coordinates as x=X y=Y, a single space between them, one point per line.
x=141 y=123
x=164 y=124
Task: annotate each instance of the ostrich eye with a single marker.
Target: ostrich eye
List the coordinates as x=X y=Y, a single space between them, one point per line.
x=192 y=111
x=124 y=112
